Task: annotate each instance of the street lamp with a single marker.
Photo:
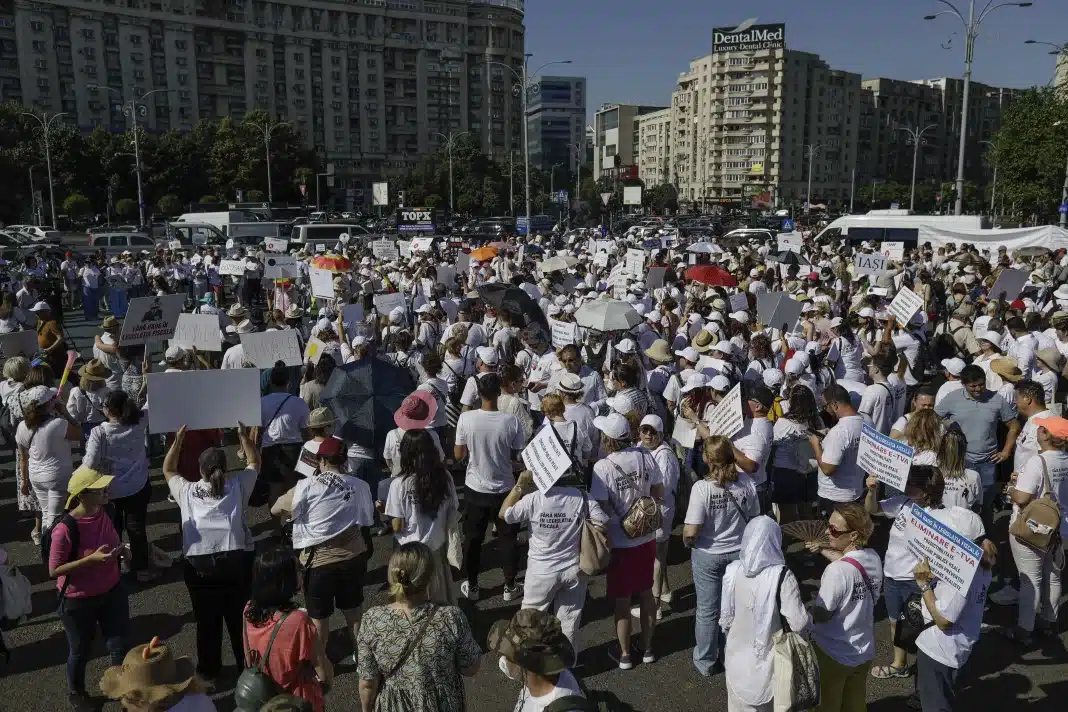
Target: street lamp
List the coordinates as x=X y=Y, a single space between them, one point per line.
x=971 y=28
x=526 y=145
x=46 y=128
x=1064 y=190
x=1060 y=51
x=268 y=128
x=916 y=136
x=810 y=153
x=994 y=184
x=450 y=140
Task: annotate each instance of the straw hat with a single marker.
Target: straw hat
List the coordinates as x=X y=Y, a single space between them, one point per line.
x=294 y=312
x=660 y=352
x=95 y=370
x=702 y=343
x=237 y=312
x=1007 y=369
x=110 y=323
x=151 y=671
x=320 y=418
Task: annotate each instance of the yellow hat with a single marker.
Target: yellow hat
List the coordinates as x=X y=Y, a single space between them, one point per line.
x=86 y=478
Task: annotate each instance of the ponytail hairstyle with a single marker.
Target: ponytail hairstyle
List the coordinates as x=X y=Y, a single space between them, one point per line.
x=410 y=570
x=213 y=470
x=419 y=460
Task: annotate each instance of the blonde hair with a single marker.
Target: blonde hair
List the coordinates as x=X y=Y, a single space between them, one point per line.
x=951 y=453
x=552 y=405
x=858 y=520
x=923 y=430
x=411 y=567
x=719 y=456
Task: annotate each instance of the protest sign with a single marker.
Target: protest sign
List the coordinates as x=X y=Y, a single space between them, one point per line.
x=203 y=399
x=790 y=242
x=905 y=305
x=385 y=250
x=230 y=244
x=200 y=331
x=619 y=282
x=405 y=248
x=385 y=303
x=726 y=418
x=546 y=458
x=463 y=262
x=894 y=251
x=635 y=262
x=878 y=291
x=603 y=246
x=654 y=278
x=563 y=333
x=174 y=244
x=781 y=313
x=151 y=319
x=1009 y=284
x=446 y=275
x=451 y=307
x=262 y=349
x=275 y=244
x=600 y=259
x=684 y=434
x=351 y=317
x=322 y=283
x=280 y=266
x=235 y=268
x=313 y=350
x=954 y=558
x=739 y=302
x=422 y=244
x=18 y=343
x=869 y=264
x=887 y=459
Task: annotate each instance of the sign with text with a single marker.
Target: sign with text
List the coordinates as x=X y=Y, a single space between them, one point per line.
x=726 y=417
x=739 y=302
x=280 y=267
x=415 y=220
x=405 y=248
x=748 y=39
x=234 y=268
x=179 y=398
x=894 y=251
x=546 y=458
x=385 y=303
x=954 y=558
x=600 y=259
x=385 y=250
x=352 y=318
x=869 y=264
x=654 y=278
x=1009 y=284
x=276 y=244
x=635 y=263
x=151 y=319
x=684 y=434
x=422 y=244
x=18 y=343
x=905 y=305
x=632 y=195
x=264 y=348
x=174 y=244
x=887 y=459
x=790 y=242
x=198 y=330
x=322 y=283
x=563 y=333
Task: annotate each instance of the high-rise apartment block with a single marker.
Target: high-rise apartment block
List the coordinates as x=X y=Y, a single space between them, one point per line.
x=556 y=122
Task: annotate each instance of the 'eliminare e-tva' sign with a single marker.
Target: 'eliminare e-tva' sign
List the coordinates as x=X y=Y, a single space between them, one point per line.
x=724 y=39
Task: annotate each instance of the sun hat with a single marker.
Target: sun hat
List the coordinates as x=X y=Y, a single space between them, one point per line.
x=697 y=380
x=150 y=670
x=321 y=417
x=294 y=312
x=1051 y=359
x=773 y=377
x=655 y=422
x=487 y=355
x=953 y=366
x=571 y=383
x=237 y=312
x=95 y=370
x=1007 y=369
x=110 y=323
x=533 y=640
x=86 y=478
x=690 y=354
x=1055 y=424
x=242 y=327
x=992 y=337
x=659 y=351
x=702 y=343
x=613 y=425
x=416 y=411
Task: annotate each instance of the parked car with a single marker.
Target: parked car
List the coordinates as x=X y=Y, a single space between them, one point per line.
x=114 y=243
x=43 y=234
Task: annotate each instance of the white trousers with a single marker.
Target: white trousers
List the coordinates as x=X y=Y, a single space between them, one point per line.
x=51 y=496
x=1040 y=585
x=735 y=704
x=564 y=592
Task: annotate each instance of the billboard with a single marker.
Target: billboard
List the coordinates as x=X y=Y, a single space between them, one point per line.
x=380 y=193
x=415 y=220
x=725 y=39
x=632 y=195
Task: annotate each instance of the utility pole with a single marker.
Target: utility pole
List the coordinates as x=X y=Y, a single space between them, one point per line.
x=810 y=152
x=449 y=141
x=852 y=190
x=268 y=128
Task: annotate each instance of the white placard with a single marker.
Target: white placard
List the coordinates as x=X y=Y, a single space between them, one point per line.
x=869 y=264
x=314 y=350
x=632 y=195
x=322 y=283
x=619 y=283
x=385 y=303
x=684 y=434
x=321 y=247
x=887 y=459
x=275 y=244
x=563 y=333
x=905 y=305
x=739 y=302
x=954 y=558
x=654 y=278
x=351 y=316
x=790 y=242
x=198 y=330
x=878 y=291
x=203 y=399
x=446 y=275
x=1011 y=282
x=784 y=312
x=546 y=458
x=894 y=251
x=405 y=248
x=380 y=193
x=18 y=343
x=280 y=266
x=175 y=244
x=262 y=349
x=234 y=268
x=603 y=246
x=385 y=250
x=726 y=418
x=463 y=262
x=422 y=244
x=600 y=259
x=635 y=262
x=151 y=319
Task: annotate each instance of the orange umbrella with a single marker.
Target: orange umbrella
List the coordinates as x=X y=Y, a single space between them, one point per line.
x=484 y=253
x=332 y=263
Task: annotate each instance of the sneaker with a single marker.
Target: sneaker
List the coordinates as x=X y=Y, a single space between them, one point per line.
x=510 y=594
x=660 y=613
x=81 y=702
x=648 y=657
x=636 y=612
x=666 y=596
x=623 y=661
x=1004 y=596
x=468 y=591
x=35 y=537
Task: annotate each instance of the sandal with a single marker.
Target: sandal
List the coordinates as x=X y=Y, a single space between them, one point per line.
x=888 y=672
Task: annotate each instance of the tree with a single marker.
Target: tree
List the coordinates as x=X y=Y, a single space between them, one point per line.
x=255 y=196
x=204 y=199
x=76 y=205
x=126 y=207
x=169 y=204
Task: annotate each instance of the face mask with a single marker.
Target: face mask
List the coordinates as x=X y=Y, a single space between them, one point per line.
x=510 y=671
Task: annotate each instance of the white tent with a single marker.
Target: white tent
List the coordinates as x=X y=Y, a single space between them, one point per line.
x=1048 y=236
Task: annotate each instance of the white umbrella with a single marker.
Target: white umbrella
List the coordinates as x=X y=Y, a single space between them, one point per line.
x=704 y=248
x=554 y=264
x=607 y=315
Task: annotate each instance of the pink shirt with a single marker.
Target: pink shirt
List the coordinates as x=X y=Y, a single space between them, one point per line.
x=90 y=579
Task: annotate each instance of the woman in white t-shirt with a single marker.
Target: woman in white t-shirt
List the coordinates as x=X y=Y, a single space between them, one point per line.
x=651 y=434
x=963 y=486
x=789 y=470
x=720 y=506
x=421 y=503
x=43 y=439
x=923 y=432
x=843 y=612
x=86 y=400
x=845 y=352
x=217 y=545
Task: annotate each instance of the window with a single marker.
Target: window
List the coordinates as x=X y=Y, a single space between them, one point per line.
x=183 y=79
x=181 y=45
x=42 y=83
x=299 y=74
x=181 y=61
x=38 y=46
x=135 y=40
x=335 y=61
x=88 y=34
x=138 y=241
x=89 y=51
x=36 y=25
x=298 y=57
x=300 y=103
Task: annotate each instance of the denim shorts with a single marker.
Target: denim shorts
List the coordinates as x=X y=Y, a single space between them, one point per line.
x=896 y=593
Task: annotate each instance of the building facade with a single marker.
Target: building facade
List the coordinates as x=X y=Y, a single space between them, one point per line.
x=615 y=151
x=372 y=84
x=654 y=148
x=556 y=122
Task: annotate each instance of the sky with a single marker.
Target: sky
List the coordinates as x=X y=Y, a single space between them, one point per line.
x=632 y=51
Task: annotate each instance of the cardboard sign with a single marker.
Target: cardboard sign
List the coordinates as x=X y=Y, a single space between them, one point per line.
x=619 y=282
x=905 y=305
x=322 y=283
x=739 y=302
x=320 y=248
x=600 y=259
x=385 y=303
x=869 y=264
x=351 y=317
x=463 y=262
x=654 y=278
x=151 y=319
x=198 y=330
x=18 y=343
x=264 y=348
x=385 y=250
x=887 y=459
x=954 y=559
x=635 y=262
x=313 y=351
x=726 y=417
x=781 y=313
x=276 y=244
x=174 y=244
x=602 y=246
x=894 y=250
x=447 y=274
x=234 y=268
x=405 y=248
x=546 y=458
x=280 y=266
x=203 y=399
x=1009 y=284
x=563 y=333
x=422 y=244
x=790 y=242
x=684 y=434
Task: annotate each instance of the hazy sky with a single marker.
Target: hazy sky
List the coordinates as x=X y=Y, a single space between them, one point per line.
x=632 y=51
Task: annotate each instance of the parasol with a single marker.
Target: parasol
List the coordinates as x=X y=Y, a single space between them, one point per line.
x=706 y=248
x=791 y=258
x=711 y=275
x=500 y=245
x=332 y=263
x=607 y=315
x=554 y=264
x=363 y=395
x=515 y=300
x=1034 y=251
x=484 y=253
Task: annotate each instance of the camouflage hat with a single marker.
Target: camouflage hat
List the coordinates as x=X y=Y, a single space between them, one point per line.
x=534 y=641
x=286 y=703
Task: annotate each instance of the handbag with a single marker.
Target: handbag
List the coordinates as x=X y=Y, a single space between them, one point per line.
x=797 y=671
x=1038 y=523
x=644 y=516
x=595 y=551
x=452 y=413
x=911 y=623
x=255 y=687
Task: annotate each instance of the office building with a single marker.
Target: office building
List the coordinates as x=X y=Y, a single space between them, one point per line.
x=556 y=122
x=615 y=151
x=371 y=84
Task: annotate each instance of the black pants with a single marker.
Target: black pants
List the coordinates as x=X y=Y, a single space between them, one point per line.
x=131 y=514
x=480 y=509
x=218 y=590
x=935 y=684
x=80 y=617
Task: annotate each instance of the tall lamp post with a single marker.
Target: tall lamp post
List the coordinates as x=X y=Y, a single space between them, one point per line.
x=267 y=128
x=994 y=184
x=1064 y=189
x=450 y=140
x=1058 y=51
x=579 y=155
x=46 y=128
x=971 y=30
x=916 y=137
x=810 y=153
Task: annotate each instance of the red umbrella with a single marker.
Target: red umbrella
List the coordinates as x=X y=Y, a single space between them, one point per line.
x=711 y=275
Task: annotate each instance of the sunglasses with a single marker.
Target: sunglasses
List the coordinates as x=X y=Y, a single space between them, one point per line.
x=837 y=532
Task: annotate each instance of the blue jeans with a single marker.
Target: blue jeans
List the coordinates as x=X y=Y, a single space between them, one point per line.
x=895 y=593
x=80 y=617
x=987 y=478
x=90 y=304
x=708 y=570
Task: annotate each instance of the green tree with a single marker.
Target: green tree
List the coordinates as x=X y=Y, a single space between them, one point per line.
x=1029 y=150
x=76 y=205
x=126 y=207
x=209 y=199
x=170 y=204
x=256 y=196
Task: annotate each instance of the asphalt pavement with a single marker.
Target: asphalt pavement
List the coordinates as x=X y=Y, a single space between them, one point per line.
x=1000 y=676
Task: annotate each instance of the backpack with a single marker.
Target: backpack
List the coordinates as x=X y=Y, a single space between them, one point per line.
x=15 y=594
x=255 y=687
x=923 y=360
x=75 y=539
x=1038 y=524
x=594 y=701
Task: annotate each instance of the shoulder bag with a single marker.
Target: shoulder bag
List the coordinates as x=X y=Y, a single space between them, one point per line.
x=255 y=686
x=595 y=551
x=412 y=644
x=644 y=516
x=1038 y=523
x=797 y=671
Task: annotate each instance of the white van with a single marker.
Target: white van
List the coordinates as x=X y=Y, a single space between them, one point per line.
x=323 y=232
x=896 y=225
x=220 y=219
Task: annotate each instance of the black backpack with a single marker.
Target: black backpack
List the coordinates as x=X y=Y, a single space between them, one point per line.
x=594 y=701
x=75 y=540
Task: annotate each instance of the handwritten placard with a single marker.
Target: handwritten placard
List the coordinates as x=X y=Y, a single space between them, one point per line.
x=790 y=242
x=198 y=330
x=322 y=283
x=546 y=458
x=954 y=558
x=151 y=319
x=887 y=459
x=275 y=244
x=385 y=250
x=385 y=303
x=726 y=417
x=233 y=268
x=894 y=251
x=264 y=348
x=739 y=302
x=905 y=305
x=563 y=333
x=635 y=262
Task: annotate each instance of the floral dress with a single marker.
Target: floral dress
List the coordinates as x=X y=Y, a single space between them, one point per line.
x=430 y=679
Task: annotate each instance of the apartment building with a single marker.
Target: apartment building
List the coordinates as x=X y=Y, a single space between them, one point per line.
x=371 y=83
x=890 y=110
x=556 y=122
x=654 y=148
x=615 y=151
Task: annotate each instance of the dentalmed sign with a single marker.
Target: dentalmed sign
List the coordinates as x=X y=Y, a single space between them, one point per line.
x=726 y=39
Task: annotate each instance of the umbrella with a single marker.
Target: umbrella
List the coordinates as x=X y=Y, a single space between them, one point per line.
x=554 y=264
x=791 y=258
x=607 y=315
x=332 y=263
x=704 y=248
x=1034 y=251
x=500 y=245
x=484 y=253
x=711 y=275
x=363 y=395
x=515 y=300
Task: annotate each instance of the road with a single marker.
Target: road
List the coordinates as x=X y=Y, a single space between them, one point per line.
x=999 y=676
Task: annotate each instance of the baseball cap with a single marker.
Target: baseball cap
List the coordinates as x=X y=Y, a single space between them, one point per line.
x=697 y=380
x=86 y=478
x=953 y=365
x=760 y=393
x=773 y=377
x=613 y=425
x=720 y=383
x=1056 y=425
x=487 y=355
x=331 y=447
x=655 y=422
x=690 y=354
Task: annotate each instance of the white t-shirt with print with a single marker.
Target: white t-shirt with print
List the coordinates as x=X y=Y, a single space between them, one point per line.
x=620 y=479
x=214 y=525
x=283 y=416
x=720 y=520
x=840 y=449
x=491 y=437
x=849 y=636
x=49 y=452
x=878 y=403
x=418 y=526
x=555 y=527
x=953 y=646
x=1031 y=479
x=899 y=562
x=754 y=440
x=964 y=491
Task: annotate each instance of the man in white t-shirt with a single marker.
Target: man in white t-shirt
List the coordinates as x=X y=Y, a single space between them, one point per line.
x=952 y=368
x=284 y=432
x=839 y=478
x=752 y=444
x=490 y=441
x=486 y=361
x=879 y=401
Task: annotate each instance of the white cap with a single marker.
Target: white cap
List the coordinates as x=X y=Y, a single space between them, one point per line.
x=423 y=309
x=953 y=365
x=836 y=322
x=740 y=317
x=626 y=346
x=754 y=272
x=654 y=316
x=655 y=422
x=359 y=341
x=690 y=354
x=640 y=308
x=697 y=380
x=866 y=312
x=41 y=306
x=993 y=337
x=725 y=347
x=618 y=404
x=487 y=355
x=396 y=315
x=794 y=367
x=720 y=383
x=773 y=377
x=613 y=425
x=963 y=521
x=174 y=353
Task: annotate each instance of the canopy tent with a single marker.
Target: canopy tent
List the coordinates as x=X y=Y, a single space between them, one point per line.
x=1048 y=236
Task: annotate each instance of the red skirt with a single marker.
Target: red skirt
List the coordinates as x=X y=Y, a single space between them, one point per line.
x=631 y=570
